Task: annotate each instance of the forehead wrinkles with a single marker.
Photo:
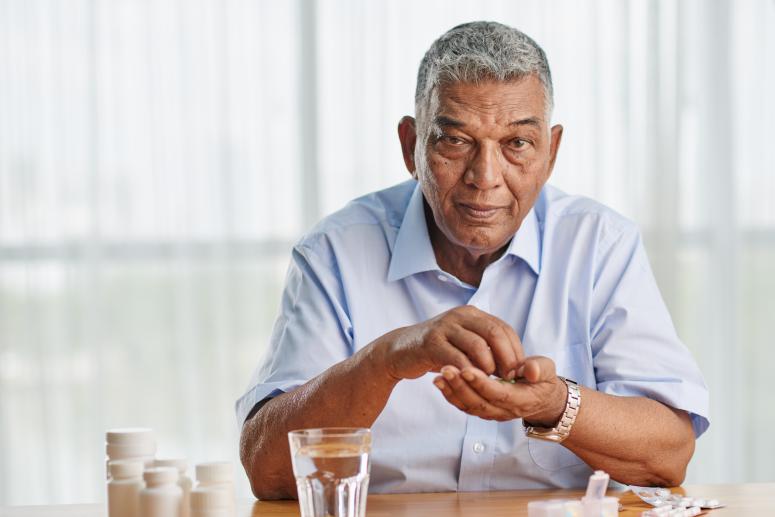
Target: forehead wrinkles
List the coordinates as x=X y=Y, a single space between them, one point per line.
x=499 y=106
x=485 y=109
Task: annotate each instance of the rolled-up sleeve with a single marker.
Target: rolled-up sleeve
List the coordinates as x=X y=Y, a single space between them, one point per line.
x=312 y=331
x=635 y=348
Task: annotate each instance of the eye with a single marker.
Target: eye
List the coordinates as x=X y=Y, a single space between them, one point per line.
x=453 y=140
x=519 y=143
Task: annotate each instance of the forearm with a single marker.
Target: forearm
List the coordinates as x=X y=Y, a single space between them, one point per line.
x=636 y=440
x=349 y=394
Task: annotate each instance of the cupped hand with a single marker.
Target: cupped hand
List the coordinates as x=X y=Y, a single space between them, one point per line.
x=538 y=395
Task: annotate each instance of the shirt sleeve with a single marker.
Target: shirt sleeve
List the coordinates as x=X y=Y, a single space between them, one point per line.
x=311 y=333
x=635 y=348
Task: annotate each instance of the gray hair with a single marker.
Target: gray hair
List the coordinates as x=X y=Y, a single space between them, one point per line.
x=477 y=51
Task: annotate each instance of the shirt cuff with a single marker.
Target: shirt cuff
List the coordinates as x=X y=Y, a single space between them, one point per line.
x=685 y=396
x=256 y=394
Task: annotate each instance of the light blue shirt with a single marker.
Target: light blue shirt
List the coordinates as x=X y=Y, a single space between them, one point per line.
x=574 y=283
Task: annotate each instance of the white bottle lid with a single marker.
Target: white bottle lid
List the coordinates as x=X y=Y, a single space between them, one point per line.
x=209 y=499
x=130 y=450
x=122 y=469
x=215 y=472
x=179 y=463
x=160 y=475
x=129 y=436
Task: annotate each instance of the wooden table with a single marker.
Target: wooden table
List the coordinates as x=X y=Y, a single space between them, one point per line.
x=742 y=500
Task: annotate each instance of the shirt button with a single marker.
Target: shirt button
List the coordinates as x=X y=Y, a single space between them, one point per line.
x=478 y=447
x=442 y=278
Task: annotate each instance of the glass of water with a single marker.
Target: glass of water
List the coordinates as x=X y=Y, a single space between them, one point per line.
x=331 y=466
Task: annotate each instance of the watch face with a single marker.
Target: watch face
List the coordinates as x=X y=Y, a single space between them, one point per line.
x=549 y=437
x=543 y=433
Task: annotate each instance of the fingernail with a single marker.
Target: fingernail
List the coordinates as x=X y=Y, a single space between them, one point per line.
x=439 y=385
x=521 y=371
x=510 y=376
x=447 y=373
x=468 y=376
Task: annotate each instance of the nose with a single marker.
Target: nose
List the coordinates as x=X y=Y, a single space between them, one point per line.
x=485 y=169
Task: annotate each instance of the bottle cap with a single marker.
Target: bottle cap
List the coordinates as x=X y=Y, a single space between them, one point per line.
x=215 y=472
x=179 y=463
x=129 y=436
x=209 y=499
x=121 y=469
x=130 y=450
x=160 y=475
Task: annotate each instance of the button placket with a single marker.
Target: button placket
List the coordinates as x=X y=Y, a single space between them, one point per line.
x=476 y=461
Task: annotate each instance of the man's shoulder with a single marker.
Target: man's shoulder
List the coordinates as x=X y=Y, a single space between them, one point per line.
x=378 y=213
x=558 y=210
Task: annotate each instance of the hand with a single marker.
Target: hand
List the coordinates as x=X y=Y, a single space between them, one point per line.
x=463 y=337
x=537 y=396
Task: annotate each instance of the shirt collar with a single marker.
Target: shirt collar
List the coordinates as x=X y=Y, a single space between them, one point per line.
x=413 y=251
x=526 y=243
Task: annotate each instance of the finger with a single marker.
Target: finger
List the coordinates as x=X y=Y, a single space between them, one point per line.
x=538 y=368
x=441 y=352
x=515 y=354
x=516 y=342
x=472 y=312
x=470 y=399
x=493 y=332
x=474 y=346
x=448 y=393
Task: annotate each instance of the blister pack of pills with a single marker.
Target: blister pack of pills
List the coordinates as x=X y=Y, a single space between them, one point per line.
x=669 y=511
x=666 y=503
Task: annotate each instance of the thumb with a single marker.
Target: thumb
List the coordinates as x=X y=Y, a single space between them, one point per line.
x=537 y=368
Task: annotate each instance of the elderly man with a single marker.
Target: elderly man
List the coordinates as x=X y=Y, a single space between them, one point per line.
x=494 y=332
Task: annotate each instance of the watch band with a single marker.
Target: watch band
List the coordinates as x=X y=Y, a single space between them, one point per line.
x=561 y=431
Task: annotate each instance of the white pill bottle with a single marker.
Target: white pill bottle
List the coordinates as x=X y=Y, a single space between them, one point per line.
x=217 y=475
x=211 y=502
x=161 y=497
x=184 y=482
x=132 y=443
x=126 y=481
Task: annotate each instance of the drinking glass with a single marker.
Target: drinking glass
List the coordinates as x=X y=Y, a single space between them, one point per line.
x=331 y=466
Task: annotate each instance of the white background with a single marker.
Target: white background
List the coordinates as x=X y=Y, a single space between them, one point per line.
x=158 y=159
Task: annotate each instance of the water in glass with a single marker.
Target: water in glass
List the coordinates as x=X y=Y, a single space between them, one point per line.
x=332 y=474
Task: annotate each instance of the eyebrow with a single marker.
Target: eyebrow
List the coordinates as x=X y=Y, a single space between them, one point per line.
x=530 y=121
x=445 y=121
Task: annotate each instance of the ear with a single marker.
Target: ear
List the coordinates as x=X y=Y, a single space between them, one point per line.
x=407 y=134
x=554 y=146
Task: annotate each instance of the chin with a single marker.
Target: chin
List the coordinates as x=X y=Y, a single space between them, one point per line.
x=482 y=241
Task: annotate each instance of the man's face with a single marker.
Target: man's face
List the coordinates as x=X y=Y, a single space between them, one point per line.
x=488 y=154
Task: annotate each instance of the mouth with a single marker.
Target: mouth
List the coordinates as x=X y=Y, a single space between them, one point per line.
x=479 y=212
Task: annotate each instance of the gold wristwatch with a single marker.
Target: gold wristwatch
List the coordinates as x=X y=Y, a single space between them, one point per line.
x=561 y=431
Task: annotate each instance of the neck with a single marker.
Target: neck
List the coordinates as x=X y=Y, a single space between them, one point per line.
x=465 y=264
